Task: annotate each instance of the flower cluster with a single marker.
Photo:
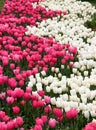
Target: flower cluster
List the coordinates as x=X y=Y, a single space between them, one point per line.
x=47 y=65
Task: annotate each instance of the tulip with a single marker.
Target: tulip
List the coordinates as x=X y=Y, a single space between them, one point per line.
x=52 y=123
x=72 y=114
x=16 y=109
x=12 y=82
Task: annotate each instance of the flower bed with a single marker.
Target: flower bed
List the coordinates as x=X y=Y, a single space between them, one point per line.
x=47 y=66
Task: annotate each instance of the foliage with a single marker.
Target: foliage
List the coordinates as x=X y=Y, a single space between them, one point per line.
x=92 y=23
x=1 y=4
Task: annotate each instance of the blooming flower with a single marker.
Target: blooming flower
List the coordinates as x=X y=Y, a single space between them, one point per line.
x=72 y=114
x=58 y=112
x=52 y=123
x=90 y=126
x=12 y=82
x=16 y=109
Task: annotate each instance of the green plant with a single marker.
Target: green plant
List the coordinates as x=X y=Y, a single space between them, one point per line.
x=1 y=4
x=92 y=23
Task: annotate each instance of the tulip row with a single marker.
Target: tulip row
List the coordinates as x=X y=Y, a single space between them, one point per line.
x=22 y=56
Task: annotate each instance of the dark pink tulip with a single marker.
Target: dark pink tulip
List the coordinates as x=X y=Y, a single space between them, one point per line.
x=41 y=93
x=58 y=112
x=60 y=119
x=39 y=121
x=47 y=109
x=72 y=113
x=35 y=96
x=1 y=79
x=21 y=82
x=41 y=103
x=16 y=109
x=35 y=104
x=71 y=64
x=12 y=82
x=27 y=96
x=37 y=127
x=19 y=121
x=2 y=114
x=44 y=118
x=18 y=93
x=90 y=126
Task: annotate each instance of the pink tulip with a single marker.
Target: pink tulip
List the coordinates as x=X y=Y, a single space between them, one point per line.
x=73 y=50
x=19 y=76
x=72 y=113
x=19 y=121
x=39 y=121
x=2 y=95
x=90 y=126
x=41 y=93
x=44 y=118
x=47 y=109
x=35 y=104
x=35 y=96
x=27 y=96
x=16 y=109
x=1 y=80
x=9 y=92
x=10 y=100
x=5 y=60
x=6 y=118
x=18 y=93
x=21 y=83
x=12 y=82
x=2 y=114
x=3 y=126
x=52 y=123
x=58 y=112
x=28 y=89
x=47 y=99
x=37 y=127
x=60 y=119
x=41 y=103
x=10 y=125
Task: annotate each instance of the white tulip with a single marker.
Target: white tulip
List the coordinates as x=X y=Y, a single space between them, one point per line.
x=64 y=97
x=43 y=73
x=86 y=114
x=30 y=84
x=53 y=101
x=94 y=120
x=67 y=108
x=73 y=92
x=39 y=86
x=48 y=88
x=93 y=113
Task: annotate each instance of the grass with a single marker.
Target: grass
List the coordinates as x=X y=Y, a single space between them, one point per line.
x=1 y=4
x=91 y=24
x=93 y=2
